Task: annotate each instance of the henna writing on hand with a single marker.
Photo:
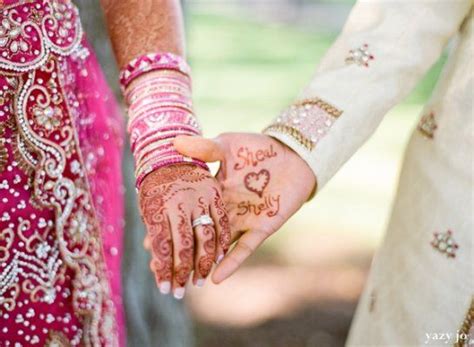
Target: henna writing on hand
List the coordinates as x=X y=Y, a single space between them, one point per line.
x=269 y=204
x=247 y=157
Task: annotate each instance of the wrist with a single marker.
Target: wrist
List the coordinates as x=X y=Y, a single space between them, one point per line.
x=302 y=126
x=157 y=90
x=290 y=146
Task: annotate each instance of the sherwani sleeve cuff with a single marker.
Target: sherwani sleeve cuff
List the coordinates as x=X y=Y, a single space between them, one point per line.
x=384 y=49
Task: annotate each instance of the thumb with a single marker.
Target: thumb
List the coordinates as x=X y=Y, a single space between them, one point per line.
x=197 y=147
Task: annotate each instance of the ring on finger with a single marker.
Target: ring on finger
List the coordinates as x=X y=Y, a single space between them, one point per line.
x=205 y=219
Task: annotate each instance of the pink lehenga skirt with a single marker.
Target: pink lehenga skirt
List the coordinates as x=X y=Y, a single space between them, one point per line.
x=61 y=195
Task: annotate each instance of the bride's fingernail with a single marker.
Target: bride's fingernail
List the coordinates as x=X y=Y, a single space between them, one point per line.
x=219 y=258
x=179 y=293
x=165 y=287
x=200 y=282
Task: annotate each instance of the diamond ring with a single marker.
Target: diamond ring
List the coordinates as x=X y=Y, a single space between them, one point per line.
x=203 y=220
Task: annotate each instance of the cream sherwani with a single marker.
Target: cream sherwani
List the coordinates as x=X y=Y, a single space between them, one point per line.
x=421 y=284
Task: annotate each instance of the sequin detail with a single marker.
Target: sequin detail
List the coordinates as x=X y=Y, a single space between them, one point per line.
x=360 y=56
x=427 y=125
x=445 y=243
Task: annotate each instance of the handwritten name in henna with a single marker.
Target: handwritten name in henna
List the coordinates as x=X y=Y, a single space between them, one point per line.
x=270 y=205
x=247 y=157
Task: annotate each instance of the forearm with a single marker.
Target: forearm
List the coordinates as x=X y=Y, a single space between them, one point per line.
x=137 y=27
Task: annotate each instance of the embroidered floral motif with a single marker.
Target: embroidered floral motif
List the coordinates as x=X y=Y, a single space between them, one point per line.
x=360 y=56
x=445 y=243
x=30 y=30
x=11 y=36
x=306 y=122
x=49 y=117
x=427 y=125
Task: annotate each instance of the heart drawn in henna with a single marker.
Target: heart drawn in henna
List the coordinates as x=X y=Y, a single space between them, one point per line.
x=257 y=182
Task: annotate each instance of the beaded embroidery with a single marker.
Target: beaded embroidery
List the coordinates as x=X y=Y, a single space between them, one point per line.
x=445 y=243
x=306 y=122
x=56 y=245
x=427 y=125
x=360 y=56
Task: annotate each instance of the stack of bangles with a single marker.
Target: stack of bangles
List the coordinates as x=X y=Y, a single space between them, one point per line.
x=157 y=90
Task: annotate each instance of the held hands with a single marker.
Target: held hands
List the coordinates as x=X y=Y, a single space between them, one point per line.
x=170 y=199
x=263 y=184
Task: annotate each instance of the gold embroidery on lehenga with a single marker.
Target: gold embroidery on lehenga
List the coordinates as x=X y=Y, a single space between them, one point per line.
x=3 y=149
x=57 y=339
x=5 y=97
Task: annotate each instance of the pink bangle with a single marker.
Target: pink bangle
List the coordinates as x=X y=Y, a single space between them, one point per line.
x=152 y=62
x=158 y=138
x=160 y=108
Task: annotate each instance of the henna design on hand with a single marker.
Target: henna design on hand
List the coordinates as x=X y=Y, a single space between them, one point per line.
x=153 y=209
x=225 y=236
x=206 y=261
x=156 y=195
x=185 y=267
x=248 y=157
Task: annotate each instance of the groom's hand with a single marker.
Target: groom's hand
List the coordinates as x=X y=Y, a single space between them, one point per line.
x=263 y=182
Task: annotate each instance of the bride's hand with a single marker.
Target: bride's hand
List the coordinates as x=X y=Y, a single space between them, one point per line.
x=170 y=199
x=263 y=183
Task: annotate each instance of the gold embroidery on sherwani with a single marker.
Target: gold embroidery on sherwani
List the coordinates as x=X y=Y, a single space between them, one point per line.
x=306 y=121
x=294 y=133
x=427 y=125
x=463 y=333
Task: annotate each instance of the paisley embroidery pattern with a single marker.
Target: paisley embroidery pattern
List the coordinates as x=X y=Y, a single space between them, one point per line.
x=50 y=242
